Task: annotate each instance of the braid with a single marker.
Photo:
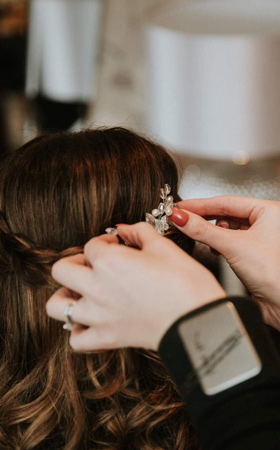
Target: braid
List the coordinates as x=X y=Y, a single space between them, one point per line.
x=20 y=256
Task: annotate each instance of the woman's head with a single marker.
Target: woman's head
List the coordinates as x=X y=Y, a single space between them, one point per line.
x=61 y=189
x=56 y=192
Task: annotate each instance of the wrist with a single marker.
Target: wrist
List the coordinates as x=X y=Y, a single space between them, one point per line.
x=185 y=303
x=213 y=348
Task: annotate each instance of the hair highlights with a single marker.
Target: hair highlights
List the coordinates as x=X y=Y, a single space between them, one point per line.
x=56 y=192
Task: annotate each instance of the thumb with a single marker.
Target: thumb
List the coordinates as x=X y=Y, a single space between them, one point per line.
x=197 y=228
x=139 y=235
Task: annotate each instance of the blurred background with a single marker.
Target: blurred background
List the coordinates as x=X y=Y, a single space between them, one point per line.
x=200 y=76
x=71 y=63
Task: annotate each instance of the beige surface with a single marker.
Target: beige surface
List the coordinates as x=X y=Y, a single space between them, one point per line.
x=121 y=97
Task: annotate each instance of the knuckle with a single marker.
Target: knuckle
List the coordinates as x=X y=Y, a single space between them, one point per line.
x=65 y=263
x=142 y=226
x=97 y=339
x=201 y=228
x=141 y=231
x=227 y=204
x=49 y=307
x=57 y=267
x=88 y=247
x=74 y=343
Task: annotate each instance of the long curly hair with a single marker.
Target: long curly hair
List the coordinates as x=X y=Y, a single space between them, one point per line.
x=56 y=192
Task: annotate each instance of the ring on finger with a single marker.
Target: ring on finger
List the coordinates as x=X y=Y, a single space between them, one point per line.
x=68 y=325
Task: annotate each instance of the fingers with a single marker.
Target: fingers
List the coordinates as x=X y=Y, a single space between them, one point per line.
x=140 y=235
x=232 y=224
x=57 y=303
x=97 y=245
x=219 y=238
x=229 y=224
x=225 y=205
x=87 y=334
x=83 y=340
x=90 y=339
x=73 y=272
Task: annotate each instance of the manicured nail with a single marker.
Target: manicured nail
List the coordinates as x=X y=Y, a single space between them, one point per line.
x=179 y=216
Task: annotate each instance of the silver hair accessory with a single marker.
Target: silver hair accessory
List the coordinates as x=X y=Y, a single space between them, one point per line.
x=159 y=217
x=68 y=315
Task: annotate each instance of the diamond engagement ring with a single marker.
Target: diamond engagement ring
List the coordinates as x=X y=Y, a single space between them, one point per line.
x=68 y=315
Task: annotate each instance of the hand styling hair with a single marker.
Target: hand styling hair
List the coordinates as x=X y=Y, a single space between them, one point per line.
x=56 y=192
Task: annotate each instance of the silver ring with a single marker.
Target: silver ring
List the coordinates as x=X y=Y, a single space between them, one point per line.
x=68 y=315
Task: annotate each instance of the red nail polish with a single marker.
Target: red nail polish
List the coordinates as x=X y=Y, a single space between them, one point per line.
x=179 y=216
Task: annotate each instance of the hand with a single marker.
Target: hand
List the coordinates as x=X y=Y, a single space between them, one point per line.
x=129 y=296
x=247 y=236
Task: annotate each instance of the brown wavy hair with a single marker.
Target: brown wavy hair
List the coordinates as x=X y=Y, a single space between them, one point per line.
x=56 y=192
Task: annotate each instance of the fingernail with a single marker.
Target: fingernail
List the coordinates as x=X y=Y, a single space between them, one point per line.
x=223 y=225
x=119 y=224
x=179 y=216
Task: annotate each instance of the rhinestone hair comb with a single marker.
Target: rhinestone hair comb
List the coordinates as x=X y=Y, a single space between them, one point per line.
x=159 y=217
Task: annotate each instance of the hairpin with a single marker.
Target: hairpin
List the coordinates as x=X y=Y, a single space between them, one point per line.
x=159 y=217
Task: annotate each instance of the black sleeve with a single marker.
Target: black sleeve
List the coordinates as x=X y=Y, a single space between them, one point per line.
x=243 y=417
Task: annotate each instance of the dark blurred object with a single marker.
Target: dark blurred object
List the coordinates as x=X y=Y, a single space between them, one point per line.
x=13 y=42
x=62 y=61
x=12 y=62
x=13 y=28
x=54 y=116
x=3 y=136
